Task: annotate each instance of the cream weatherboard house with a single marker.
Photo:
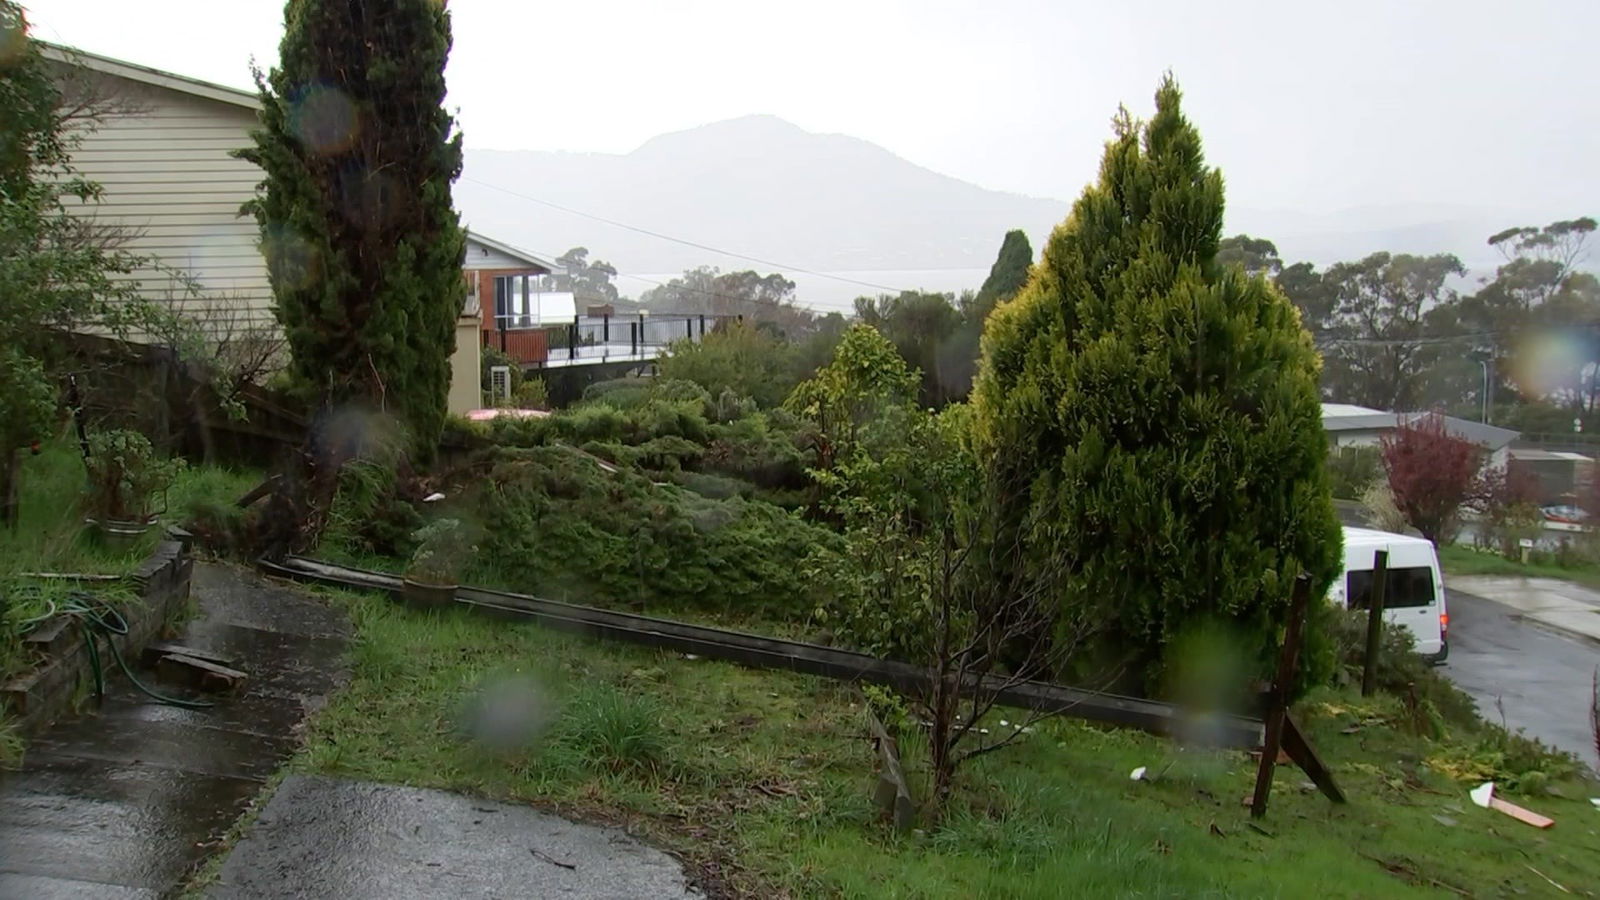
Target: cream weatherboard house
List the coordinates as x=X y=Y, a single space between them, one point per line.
x=162 y=156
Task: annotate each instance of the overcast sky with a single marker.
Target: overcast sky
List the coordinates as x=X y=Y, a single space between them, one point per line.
x=1310 y=107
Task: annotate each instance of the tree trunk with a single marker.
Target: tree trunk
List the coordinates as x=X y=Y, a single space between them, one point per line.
x=10 y=470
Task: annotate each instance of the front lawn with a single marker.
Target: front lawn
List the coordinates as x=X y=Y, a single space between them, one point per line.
x=761 y=780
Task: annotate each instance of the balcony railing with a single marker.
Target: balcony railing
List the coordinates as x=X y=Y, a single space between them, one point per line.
x=593 y=340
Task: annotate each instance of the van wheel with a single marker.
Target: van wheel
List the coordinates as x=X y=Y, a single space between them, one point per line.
x=1443 y=654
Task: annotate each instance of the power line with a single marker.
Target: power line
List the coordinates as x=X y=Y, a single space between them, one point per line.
x=688 y=243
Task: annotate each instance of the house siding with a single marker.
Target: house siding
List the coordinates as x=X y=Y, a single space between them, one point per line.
x=482 y=257
x=168 y=180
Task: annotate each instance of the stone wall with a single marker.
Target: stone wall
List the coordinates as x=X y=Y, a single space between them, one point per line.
x=37 y=698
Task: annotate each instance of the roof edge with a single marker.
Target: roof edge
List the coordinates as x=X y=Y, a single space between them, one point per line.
x=73 y=56
x=531 y=259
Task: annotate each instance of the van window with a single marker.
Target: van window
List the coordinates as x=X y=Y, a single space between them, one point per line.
x=1407 y=587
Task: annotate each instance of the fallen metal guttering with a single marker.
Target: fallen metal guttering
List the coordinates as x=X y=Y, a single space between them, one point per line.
x=797 y=656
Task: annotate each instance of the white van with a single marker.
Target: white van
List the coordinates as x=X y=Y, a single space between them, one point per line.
x=1414 y=597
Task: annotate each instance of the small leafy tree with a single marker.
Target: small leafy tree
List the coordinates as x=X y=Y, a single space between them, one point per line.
x=1150 y=419
x=914 y=583
x=363 y=246
x=1431 y=472
x=125 y=476
x=60 y=270
x=866 y=378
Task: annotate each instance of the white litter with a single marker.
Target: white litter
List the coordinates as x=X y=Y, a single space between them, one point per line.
x=1138 y=774
x=690 y=656
x=433 y=497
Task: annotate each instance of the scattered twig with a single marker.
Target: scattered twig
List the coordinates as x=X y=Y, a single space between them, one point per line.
x=552 y=861
x=1547 y=878
x=70 y=576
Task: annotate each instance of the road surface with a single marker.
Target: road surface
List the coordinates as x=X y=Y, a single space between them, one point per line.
x=1542 y=678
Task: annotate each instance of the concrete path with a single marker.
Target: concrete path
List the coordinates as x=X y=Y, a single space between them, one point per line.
x=123 y=803
x=1540 y=677
x=1557 y=604
x=326 y=837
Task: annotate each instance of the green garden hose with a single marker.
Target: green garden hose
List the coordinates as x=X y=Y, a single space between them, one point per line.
x=97 y=617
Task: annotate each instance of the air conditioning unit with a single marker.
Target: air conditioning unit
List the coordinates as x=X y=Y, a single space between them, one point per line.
x=500 y=382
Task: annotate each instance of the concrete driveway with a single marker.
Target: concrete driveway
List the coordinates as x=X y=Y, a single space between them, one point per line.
x=1541 y=677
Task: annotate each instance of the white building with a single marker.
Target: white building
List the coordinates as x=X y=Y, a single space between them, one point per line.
x=1359 y=426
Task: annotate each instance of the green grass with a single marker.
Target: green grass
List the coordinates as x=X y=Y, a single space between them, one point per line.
x=50 y=537
x=1459 y=560
x=762 y=780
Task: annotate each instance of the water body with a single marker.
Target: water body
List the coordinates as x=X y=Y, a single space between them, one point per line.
x=831 y=292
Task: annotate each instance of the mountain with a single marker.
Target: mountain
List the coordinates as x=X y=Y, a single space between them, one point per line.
x=758 y=186
x=765 y=188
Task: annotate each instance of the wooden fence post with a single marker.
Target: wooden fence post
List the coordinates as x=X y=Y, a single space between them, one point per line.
x=1278 y=698
x=1380 y=581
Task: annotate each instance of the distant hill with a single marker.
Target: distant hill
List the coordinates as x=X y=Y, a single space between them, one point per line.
x=763 y=187
x=756 y=185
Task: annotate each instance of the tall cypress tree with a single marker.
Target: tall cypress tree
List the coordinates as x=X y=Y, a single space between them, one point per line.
x=1006 y=277
x=1150 y=418
x=363 y=246
x=1008 y=274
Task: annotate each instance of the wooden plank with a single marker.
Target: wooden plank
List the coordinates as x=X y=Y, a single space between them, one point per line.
x=1304 y=756
x=892 y=794
x=1276 y=706
x=199 y=673
x=1527 y=816
x=152 y=653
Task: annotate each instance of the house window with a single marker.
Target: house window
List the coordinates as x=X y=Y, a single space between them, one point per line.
x=513 y=303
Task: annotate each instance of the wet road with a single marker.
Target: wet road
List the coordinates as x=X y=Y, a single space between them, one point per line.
x=1541 y=677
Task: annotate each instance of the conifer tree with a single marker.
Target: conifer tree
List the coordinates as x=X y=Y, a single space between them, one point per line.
x=1150 y=419
x=363 y=246
x=1007 y=276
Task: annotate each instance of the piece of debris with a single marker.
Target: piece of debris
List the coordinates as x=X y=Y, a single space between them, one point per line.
x=207 y=676
x=434 y=497
x=152 y=653
x=1138 y=774
x=1258 y=829
x=690 y=656
x=1483 y=795
x=552 y=861
x=1552 y=881
x=1218 y=831
x=1446 y=821
x=69 y=576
